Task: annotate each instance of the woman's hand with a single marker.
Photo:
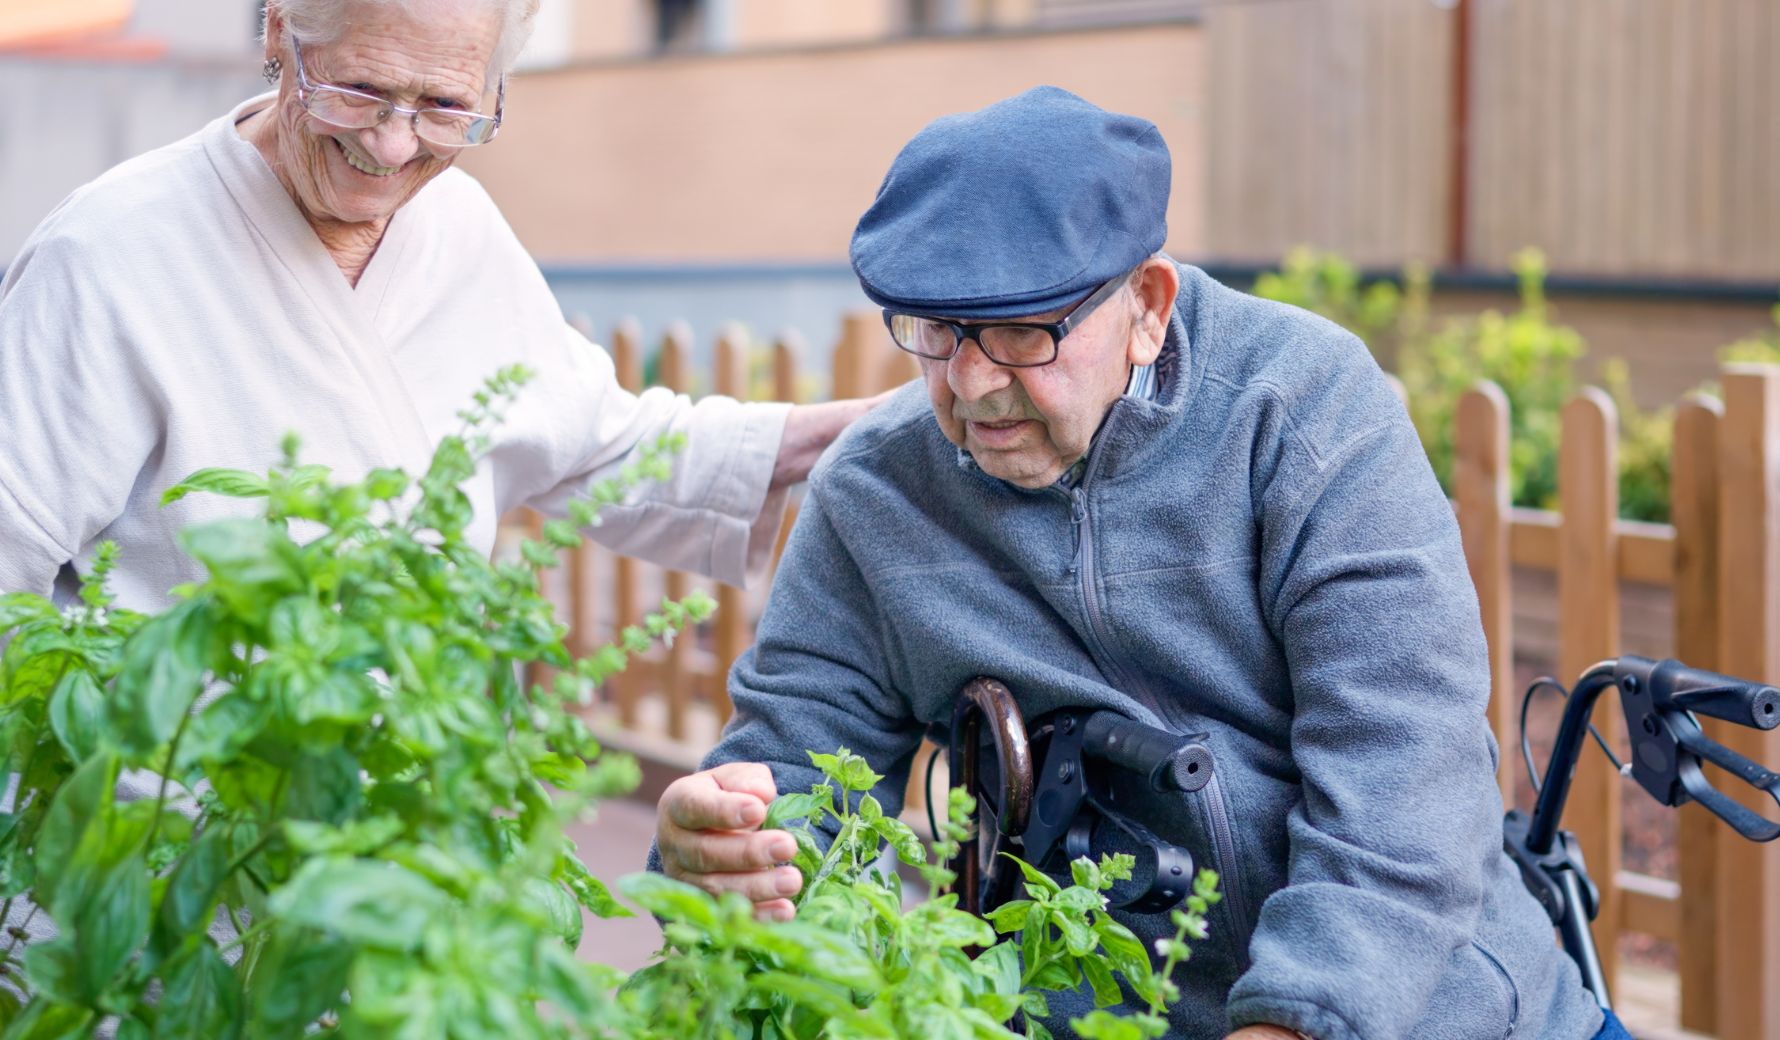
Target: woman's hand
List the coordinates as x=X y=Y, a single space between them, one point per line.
x=811 y=428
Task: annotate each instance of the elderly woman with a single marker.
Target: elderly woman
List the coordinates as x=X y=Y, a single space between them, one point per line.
x=311 y=262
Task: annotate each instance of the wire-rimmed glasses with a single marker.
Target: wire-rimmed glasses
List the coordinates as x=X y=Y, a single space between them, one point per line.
x=356 y=110
x=1015 y=344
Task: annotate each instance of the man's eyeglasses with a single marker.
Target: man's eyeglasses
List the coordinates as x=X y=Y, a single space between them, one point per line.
x=1016 y=344
x=355 y=110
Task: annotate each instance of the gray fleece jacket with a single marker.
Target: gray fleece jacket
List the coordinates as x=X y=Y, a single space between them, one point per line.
x=1261 y=553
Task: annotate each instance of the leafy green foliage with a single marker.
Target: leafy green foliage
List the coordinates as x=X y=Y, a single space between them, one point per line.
x=859 y=961
x=357 y=792
x=1525 y=352
x=1763 y=348
x=351 y=774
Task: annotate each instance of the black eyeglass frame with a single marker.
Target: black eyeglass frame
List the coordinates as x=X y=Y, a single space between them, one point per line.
x=1057 y=329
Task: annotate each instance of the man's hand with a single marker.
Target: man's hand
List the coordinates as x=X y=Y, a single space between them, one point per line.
x=708 y=833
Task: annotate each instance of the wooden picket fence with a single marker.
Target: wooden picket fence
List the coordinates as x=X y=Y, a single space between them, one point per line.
x=1720 y=558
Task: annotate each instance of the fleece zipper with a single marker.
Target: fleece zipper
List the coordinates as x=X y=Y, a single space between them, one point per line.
x=1217 y=808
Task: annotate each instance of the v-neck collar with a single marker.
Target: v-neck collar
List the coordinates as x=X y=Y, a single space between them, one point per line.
x=259 y=192
x=293 y=244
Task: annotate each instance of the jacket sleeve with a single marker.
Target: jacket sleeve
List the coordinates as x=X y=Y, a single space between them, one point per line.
x=77 y=422
x=714 y=515
x=1365 y=586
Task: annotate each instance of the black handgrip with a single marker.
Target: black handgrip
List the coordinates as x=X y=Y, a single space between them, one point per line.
x=1169 y=760
x=1674 y=685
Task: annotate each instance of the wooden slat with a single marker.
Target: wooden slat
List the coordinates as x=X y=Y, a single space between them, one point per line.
x=675 y=373
x=785 y=356
x=848 y=370
x=1533 y=538
x=1588 y=602
x=1748 y=874
x=1693 y=498
x=1645 y=552
x=1480 y=483
x=1649 y=905
x=627 y=360
x=733 y=629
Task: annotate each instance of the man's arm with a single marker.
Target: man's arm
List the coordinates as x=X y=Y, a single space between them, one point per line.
x=815 y=680
x=1366 y=588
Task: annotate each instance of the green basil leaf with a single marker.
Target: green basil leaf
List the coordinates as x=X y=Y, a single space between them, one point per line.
x=1036 y=877
x=195 y=886
x=671 y=900
x=588 y=890
x=901 y=838
x=112 y=923
x=823 y=998
x=368 y=902
x=35 y=662
x=1100 y=978
x=232 y=483
x=1124 y=950
x=53 y=969
x=46 y=1019
x=201 y=998
x=163 y=673
x=324 y=786
x=76 y=713
x=83 y=803
x=300 y=975
x=942 y=926
x=791 y=808
x=16 y=608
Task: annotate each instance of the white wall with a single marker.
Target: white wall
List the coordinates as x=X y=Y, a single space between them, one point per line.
x=199 y=28
x=65 y=122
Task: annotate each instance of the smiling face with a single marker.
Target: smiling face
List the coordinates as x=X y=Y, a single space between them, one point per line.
x=438 y=54
x=1027 y=426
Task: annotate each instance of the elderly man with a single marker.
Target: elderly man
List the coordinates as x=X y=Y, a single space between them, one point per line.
x=1131 y=487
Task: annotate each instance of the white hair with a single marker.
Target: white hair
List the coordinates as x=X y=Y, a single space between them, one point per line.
x=323 y=21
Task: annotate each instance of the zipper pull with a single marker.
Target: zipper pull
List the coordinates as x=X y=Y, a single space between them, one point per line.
x=1078 y=512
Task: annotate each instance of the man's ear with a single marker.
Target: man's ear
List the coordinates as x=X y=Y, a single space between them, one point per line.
x=1158 y=282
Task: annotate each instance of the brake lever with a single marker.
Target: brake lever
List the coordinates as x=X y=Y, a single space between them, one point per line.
x=1747 y=822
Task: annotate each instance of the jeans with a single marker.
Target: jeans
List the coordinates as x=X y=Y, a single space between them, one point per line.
x=1612 y=1029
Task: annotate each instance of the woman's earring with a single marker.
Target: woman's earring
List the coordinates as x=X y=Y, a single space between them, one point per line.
x=272 y=69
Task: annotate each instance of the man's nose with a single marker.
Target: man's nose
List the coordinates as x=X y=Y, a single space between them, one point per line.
x=391 y=142
x=972 y=375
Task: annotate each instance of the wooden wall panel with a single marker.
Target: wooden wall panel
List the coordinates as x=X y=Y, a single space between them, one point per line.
x=1628 y=137
x=1328 y=125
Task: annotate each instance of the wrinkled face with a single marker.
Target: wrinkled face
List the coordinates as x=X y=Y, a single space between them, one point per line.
x=437 y=55
x=1027 y=426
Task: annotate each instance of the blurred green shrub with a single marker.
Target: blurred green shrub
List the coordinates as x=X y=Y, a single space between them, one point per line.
x=1525 y=352
x=1763 y=348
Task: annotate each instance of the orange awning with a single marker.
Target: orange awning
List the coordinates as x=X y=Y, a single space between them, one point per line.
x=33 y=23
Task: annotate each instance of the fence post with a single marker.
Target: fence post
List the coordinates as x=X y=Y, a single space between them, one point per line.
x=1588 y=601
x=849 y=360
x=1480 y=483
x=1693 y=498
x=627 y=360
x=786 y=353
x=674 y=369
x=732 y=607
x=1748 y=873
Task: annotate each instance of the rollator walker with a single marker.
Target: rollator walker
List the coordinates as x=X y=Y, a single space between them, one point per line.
x=1046 y=793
